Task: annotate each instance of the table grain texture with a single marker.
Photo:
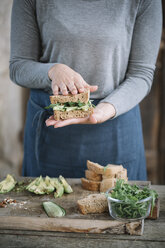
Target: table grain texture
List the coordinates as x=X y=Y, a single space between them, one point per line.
x=153 y=236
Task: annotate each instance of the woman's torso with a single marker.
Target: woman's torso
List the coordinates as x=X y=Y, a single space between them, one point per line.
x=52 y=152
x=93 y=37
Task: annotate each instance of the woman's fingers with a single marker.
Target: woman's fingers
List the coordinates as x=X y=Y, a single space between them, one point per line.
x=93 y=119
x=64 y=79
x=62 y=123
x=79 y=83
x=93 y=88
x=72 y=88
x=86 y=120
x=55 y=89
x=79 y=86
x=71 y=122
x=51 y=121
x=51 y=117
x=63 y=89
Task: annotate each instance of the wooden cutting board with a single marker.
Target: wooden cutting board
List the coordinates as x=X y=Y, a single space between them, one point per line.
x=28 y=214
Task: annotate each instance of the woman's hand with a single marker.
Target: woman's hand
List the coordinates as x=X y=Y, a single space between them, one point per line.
x=65 y=79
x=102 y=113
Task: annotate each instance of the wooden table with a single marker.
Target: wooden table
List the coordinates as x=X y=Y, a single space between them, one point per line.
x=154 y=235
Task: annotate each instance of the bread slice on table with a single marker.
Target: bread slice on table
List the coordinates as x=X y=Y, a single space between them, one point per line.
x=90 y=185
x=64 y=115
x=95 y=167
x=111 y=170
x=91 y=175
x=109 y=176
x=122 y=174
x=107 y=184
x=94 y=203
x=82 y=97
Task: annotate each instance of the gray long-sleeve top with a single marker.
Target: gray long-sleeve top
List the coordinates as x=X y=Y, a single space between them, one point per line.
x=111 y=43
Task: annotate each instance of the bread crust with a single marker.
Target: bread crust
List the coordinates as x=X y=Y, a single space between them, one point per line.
x=94 y=203
x=112 y=169
x=64 y=115
x=91 y=175
x=82 y=97
x=109 y=171
x=90 y=185
x=95 y=167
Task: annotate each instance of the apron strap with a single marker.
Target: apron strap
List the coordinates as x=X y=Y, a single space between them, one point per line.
x=40 y=118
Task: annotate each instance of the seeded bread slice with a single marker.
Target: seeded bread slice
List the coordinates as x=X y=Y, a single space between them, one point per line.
x=107 y=184
x=119 y=175
x=64 y=115
x=90 y=185
x=122 y=174
x=91 y=175
x=95 y=167
x=82 y=97
x=109 y=176
x=112 y=169
x=94 y=203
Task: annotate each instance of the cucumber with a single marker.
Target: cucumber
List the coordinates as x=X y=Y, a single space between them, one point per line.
x=53 y=210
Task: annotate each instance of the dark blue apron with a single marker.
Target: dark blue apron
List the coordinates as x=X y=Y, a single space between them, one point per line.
x=49 y=151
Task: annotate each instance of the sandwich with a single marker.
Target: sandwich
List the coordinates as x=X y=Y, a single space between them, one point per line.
x=71 y=106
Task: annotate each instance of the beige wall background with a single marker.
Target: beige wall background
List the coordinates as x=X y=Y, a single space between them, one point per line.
x=10 y=101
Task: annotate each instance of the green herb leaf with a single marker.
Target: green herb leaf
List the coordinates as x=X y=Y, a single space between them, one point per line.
x=80 y=104
x=67 y=105
x=70 y=104
x=52 y=106
x=131 y=195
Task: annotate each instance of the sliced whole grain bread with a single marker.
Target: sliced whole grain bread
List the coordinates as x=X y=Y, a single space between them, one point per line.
x=122 y=174
x=91 y=175
x=95 y=167
x=107 y=184
x=94 y=203
x=109 y=170
x=90 y=185
x=112 y=169
x=82 y=97
x=64 y=115
x=102 y=178
x=109 y=176
x=119 y=175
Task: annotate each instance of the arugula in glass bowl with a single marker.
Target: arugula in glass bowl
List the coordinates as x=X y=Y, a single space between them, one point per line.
x=130 y=202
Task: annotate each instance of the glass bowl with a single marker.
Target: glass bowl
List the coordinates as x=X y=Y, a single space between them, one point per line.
x=125 y=211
